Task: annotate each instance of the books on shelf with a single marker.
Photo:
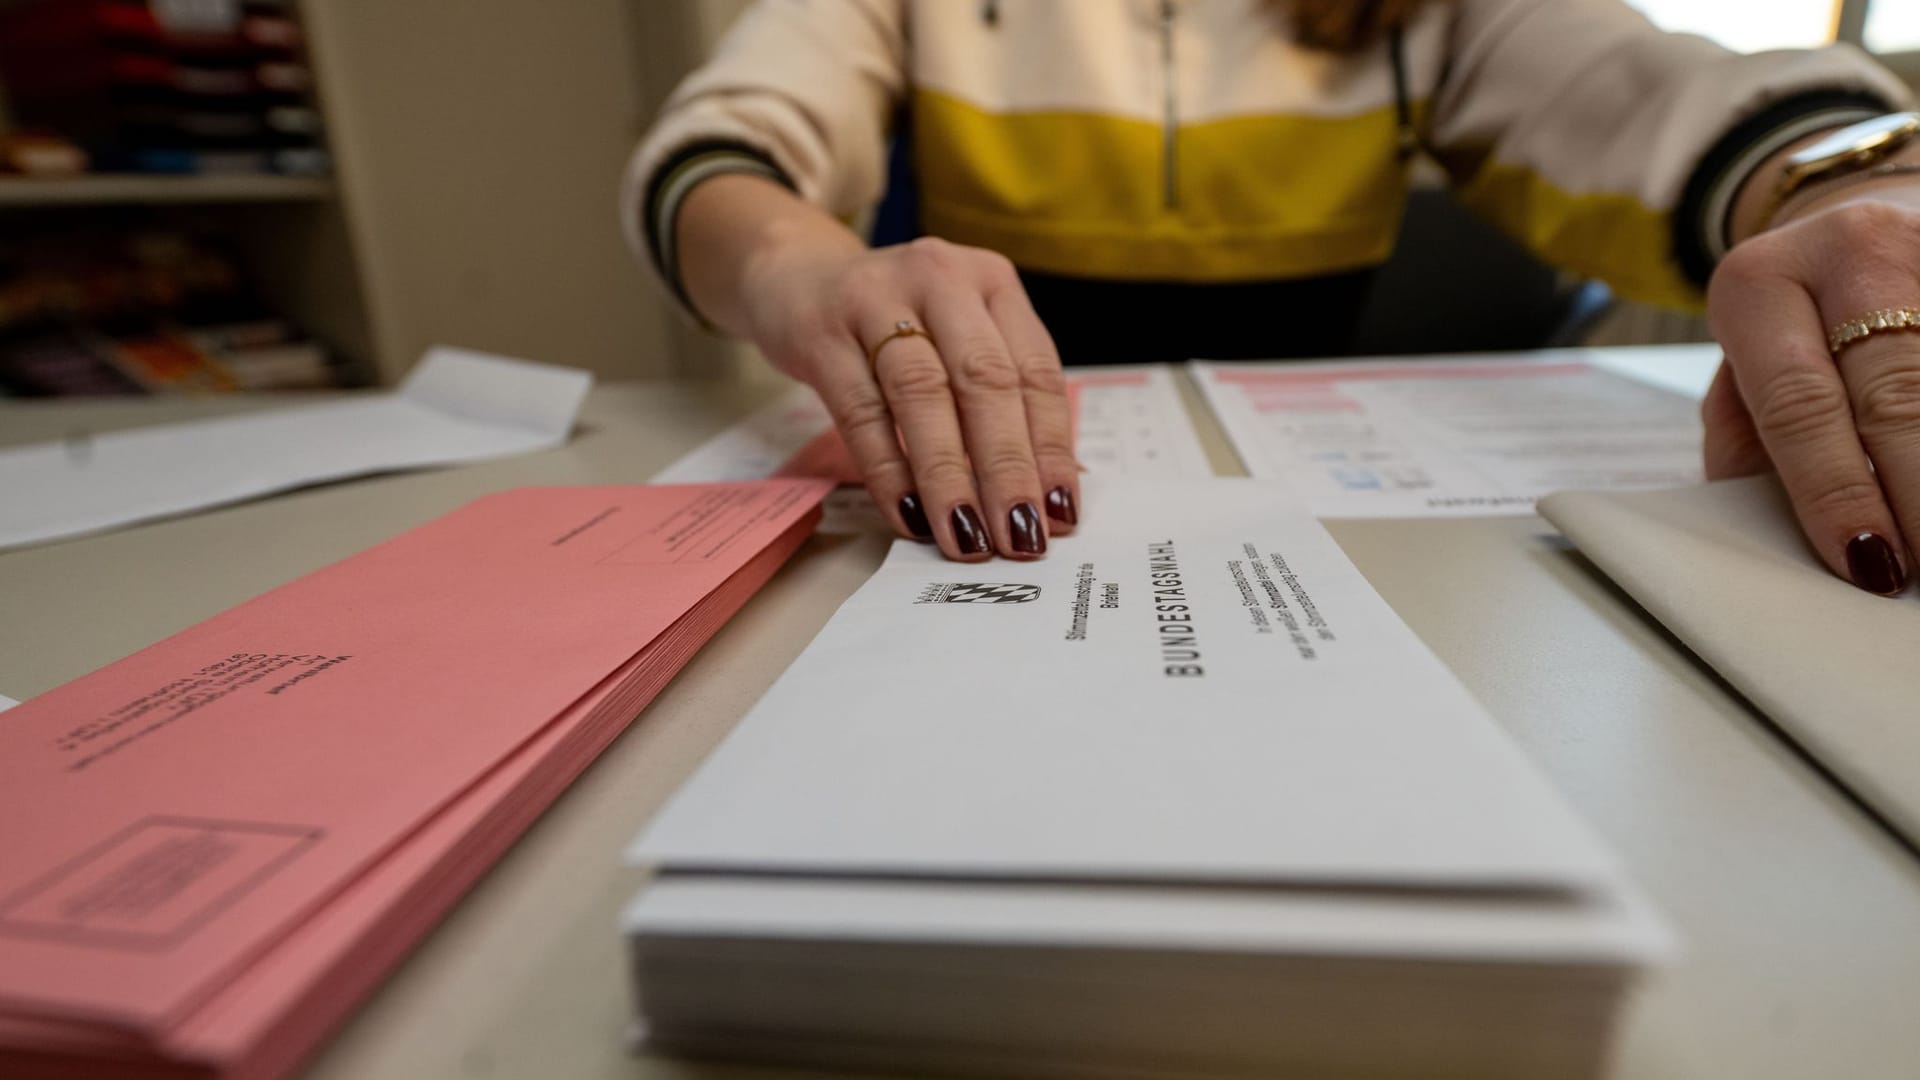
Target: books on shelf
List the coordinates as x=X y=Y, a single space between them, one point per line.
x=163 y=87
x=154 y=311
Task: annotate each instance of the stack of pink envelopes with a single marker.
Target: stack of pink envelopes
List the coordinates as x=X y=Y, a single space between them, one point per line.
x=214 y=848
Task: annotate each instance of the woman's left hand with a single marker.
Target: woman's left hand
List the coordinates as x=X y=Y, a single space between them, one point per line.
x=1843 y=431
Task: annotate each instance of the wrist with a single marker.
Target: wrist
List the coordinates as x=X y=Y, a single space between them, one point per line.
x=734 y=231
x=1896 y=180
x=1815 y=168
x=1703 y=220
x=793 y=251
x=1754 y=209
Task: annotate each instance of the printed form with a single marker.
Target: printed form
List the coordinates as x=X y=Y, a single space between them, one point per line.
x=1451 y=437
x=1128 y=420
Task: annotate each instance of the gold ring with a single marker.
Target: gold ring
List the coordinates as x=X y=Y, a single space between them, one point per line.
x=1873 y=322
x=901 y=329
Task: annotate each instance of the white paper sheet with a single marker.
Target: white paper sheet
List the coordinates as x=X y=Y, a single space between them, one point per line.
x=456 y=406
x=1131 y=421
x=6 y=703
x=756 y=447
x=1686 y=370
x=1197 y=687
x=1613 y=926
x=1457 y=436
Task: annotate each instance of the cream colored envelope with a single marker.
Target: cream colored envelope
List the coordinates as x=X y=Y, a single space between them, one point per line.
x=1725 y=568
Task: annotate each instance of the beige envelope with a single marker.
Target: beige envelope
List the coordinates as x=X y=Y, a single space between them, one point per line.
x=1725 y=568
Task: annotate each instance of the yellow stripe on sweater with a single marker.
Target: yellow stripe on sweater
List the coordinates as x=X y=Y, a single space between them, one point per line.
x=1256 y=197
x=1080 y=193
x=1613 y=237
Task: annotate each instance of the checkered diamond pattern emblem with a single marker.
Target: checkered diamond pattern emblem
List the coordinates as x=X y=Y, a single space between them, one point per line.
x=977 y=592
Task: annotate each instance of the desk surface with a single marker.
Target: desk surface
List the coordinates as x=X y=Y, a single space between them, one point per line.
x=1801 y=917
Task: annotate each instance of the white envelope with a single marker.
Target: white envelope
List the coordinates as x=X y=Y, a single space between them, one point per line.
x=1198 y=688
x=1725 y=568
x=455 y=406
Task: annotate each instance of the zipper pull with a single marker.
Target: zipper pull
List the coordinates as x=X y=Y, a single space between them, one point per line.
x=1170 y=117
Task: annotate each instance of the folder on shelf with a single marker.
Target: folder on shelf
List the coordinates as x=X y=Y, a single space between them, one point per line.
x=217 y=845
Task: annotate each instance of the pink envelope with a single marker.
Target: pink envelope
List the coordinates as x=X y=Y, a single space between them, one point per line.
x=277 y=777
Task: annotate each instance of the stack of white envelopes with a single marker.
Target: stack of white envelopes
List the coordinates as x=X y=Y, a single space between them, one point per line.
x=1185 y=798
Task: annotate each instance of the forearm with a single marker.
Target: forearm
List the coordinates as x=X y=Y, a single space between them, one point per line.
x=730 y=226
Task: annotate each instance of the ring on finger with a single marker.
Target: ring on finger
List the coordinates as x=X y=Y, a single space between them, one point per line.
x=904 y=328
x=1873 y=322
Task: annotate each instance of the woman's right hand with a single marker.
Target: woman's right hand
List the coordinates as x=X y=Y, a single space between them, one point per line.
x=962 y=429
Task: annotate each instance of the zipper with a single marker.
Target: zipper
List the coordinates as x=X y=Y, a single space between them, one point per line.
x=1406 y=136
x=1170 y=138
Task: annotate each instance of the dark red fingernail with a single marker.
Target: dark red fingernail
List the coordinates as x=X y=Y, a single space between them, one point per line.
x=1023 y=521
x=1874 y=566
x=1060 y=506
x=969 y=532
x=914 y=517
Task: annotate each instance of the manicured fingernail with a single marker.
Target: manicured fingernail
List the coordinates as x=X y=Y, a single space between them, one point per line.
x=969 y=532
x=1060 y=506
x=1023 y=521
x=1874 y=566
x=914 y=516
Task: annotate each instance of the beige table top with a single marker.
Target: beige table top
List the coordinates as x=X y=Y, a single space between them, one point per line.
x=1801 y=916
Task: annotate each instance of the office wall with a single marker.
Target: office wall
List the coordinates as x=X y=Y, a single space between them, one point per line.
x=480 y=144
x=675 y=36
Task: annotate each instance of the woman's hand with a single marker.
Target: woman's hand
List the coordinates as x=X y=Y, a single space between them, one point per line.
x=961 y=425
x=1843 y=432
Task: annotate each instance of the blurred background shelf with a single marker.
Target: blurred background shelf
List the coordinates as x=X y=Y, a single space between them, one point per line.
x=121 y=190
x=476 y=149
